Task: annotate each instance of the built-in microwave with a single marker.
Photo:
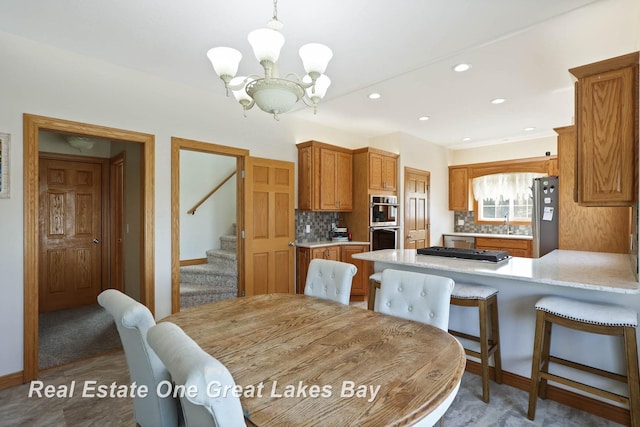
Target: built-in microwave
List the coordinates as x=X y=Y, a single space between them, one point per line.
x=383 y=211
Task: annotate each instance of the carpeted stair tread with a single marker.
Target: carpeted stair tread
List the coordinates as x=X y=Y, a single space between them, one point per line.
x=198 y=273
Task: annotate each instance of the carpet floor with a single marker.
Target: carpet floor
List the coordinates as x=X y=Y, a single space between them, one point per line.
x=74 y=334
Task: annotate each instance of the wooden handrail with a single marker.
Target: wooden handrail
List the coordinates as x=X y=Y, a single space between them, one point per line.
x=192 y=211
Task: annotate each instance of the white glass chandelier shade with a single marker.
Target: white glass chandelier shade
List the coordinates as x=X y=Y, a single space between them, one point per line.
x=241 y=94
x=317 y=92
x=315 y=58
x=266 y=44
x=275 y=96
x=225 y=61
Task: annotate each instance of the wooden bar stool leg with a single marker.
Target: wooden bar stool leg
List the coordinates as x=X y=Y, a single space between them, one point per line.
x=484 y=349
x=633 y=378
x=535 y=366
x=546 y=348
x=495 y=338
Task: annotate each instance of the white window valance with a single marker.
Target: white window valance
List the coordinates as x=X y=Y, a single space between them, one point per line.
x=504 y=185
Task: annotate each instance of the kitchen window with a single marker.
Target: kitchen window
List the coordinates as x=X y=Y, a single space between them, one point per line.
x=504 y=194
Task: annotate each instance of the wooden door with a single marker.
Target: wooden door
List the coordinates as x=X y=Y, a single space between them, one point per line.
x=416 y=211
x=269 y=226
x=70 y=219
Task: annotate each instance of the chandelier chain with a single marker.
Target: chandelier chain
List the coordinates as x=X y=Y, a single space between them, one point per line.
x=275 y=10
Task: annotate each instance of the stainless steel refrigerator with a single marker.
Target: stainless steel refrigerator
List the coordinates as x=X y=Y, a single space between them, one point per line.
x=544 y=221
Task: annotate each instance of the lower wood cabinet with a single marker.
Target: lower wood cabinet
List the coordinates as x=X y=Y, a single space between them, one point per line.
x=344 y=253
x=516 y=247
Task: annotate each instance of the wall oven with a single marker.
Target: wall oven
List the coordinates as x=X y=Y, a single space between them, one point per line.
x=383 y=211
x=383 y=238
x=383 y=222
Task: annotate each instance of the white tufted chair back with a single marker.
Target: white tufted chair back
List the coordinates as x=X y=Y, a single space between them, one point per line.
x=189 y=365
x=133 y=320
x=329 y=279
x=415 y=296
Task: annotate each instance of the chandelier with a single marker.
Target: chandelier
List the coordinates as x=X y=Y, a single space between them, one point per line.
x=274 y=95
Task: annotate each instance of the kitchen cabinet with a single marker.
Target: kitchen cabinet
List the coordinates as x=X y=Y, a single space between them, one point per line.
x=383 y=171
x=374 y=172
x=325 y=177
x=344 y=253
x=607 y=131
x=515 y=247
x=458 y=188
x=586 y=228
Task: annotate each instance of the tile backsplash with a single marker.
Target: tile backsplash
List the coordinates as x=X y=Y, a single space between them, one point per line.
x=471 y=227
x=319 y=224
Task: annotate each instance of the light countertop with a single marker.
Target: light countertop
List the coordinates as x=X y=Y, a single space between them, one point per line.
x=323 y=243
x=586 y=270
x=499 y=236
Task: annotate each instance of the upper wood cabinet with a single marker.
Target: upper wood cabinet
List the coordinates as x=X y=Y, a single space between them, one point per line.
x=458 y=188
x=325 y=177
x=383 y=171
x=607 y=131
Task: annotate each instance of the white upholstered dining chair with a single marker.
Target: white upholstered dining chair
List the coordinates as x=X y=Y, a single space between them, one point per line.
x=424 y=298
x=133 y=320
x=192 y=367
x=421 y=297
x=330 y=280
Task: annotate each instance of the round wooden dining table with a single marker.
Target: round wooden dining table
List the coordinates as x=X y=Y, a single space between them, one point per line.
x=304 y=361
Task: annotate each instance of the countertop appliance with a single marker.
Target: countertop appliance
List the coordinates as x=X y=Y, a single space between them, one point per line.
x=544 y=220
x=465 y=253
x=340 y=234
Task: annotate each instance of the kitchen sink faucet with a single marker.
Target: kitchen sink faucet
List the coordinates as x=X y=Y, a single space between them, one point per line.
x=506 y=223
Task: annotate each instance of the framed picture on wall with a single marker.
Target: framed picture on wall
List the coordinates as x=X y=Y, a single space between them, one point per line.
x=4 y=165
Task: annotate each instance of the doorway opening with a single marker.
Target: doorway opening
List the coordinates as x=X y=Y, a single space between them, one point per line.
x=232 y=161
x=34 y=127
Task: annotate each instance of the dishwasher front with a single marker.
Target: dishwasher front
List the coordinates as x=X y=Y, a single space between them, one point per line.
x=451 y=241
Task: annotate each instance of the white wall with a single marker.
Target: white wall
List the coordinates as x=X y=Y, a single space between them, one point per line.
x=199 y=174
x=507 y=151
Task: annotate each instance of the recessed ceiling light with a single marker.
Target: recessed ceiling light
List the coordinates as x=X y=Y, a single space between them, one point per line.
x=498 y=100
x=423 y=118
x=529 y=129
x=466 y=139
x=461 y=67
x=374 y=95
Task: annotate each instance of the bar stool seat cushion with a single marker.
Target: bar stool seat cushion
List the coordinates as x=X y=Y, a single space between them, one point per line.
x=467 y=291
x=376 y=277
x=586 y=312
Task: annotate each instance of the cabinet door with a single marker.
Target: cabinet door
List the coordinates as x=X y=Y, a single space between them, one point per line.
x=360 y=283
x=458 y=189
x=389 y=173
x=303 y=257
x=328 y=179
x=305 y=178
x=607 y=129
x=344 y=181
x=326 y=252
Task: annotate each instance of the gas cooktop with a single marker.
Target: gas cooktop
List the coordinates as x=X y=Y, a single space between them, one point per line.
x=464 y=253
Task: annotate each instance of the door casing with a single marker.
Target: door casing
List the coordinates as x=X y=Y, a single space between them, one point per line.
x=33 y=124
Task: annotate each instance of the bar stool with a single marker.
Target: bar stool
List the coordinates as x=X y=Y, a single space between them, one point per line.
x=486 y=299
x=592 y=318
x=374 y=283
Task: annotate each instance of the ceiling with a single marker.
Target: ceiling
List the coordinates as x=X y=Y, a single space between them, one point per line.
x=519 y=50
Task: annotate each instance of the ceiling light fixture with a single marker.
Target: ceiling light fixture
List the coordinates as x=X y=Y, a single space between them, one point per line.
x=374 y=95
x=466 y=139
x=423 y=118
x=272 y=94
x=459 y=68
x=529 y=129
x=498 y=100
x=80 y=143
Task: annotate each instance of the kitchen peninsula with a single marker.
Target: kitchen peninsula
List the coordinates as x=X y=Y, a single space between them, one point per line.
x=587 y=276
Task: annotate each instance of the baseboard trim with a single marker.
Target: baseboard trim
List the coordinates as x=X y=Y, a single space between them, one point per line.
x=195 y=261
x=578 y=401
x=11 y=380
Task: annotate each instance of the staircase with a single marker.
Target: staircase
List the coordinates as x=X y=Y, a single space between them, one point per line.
x=216 y=280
